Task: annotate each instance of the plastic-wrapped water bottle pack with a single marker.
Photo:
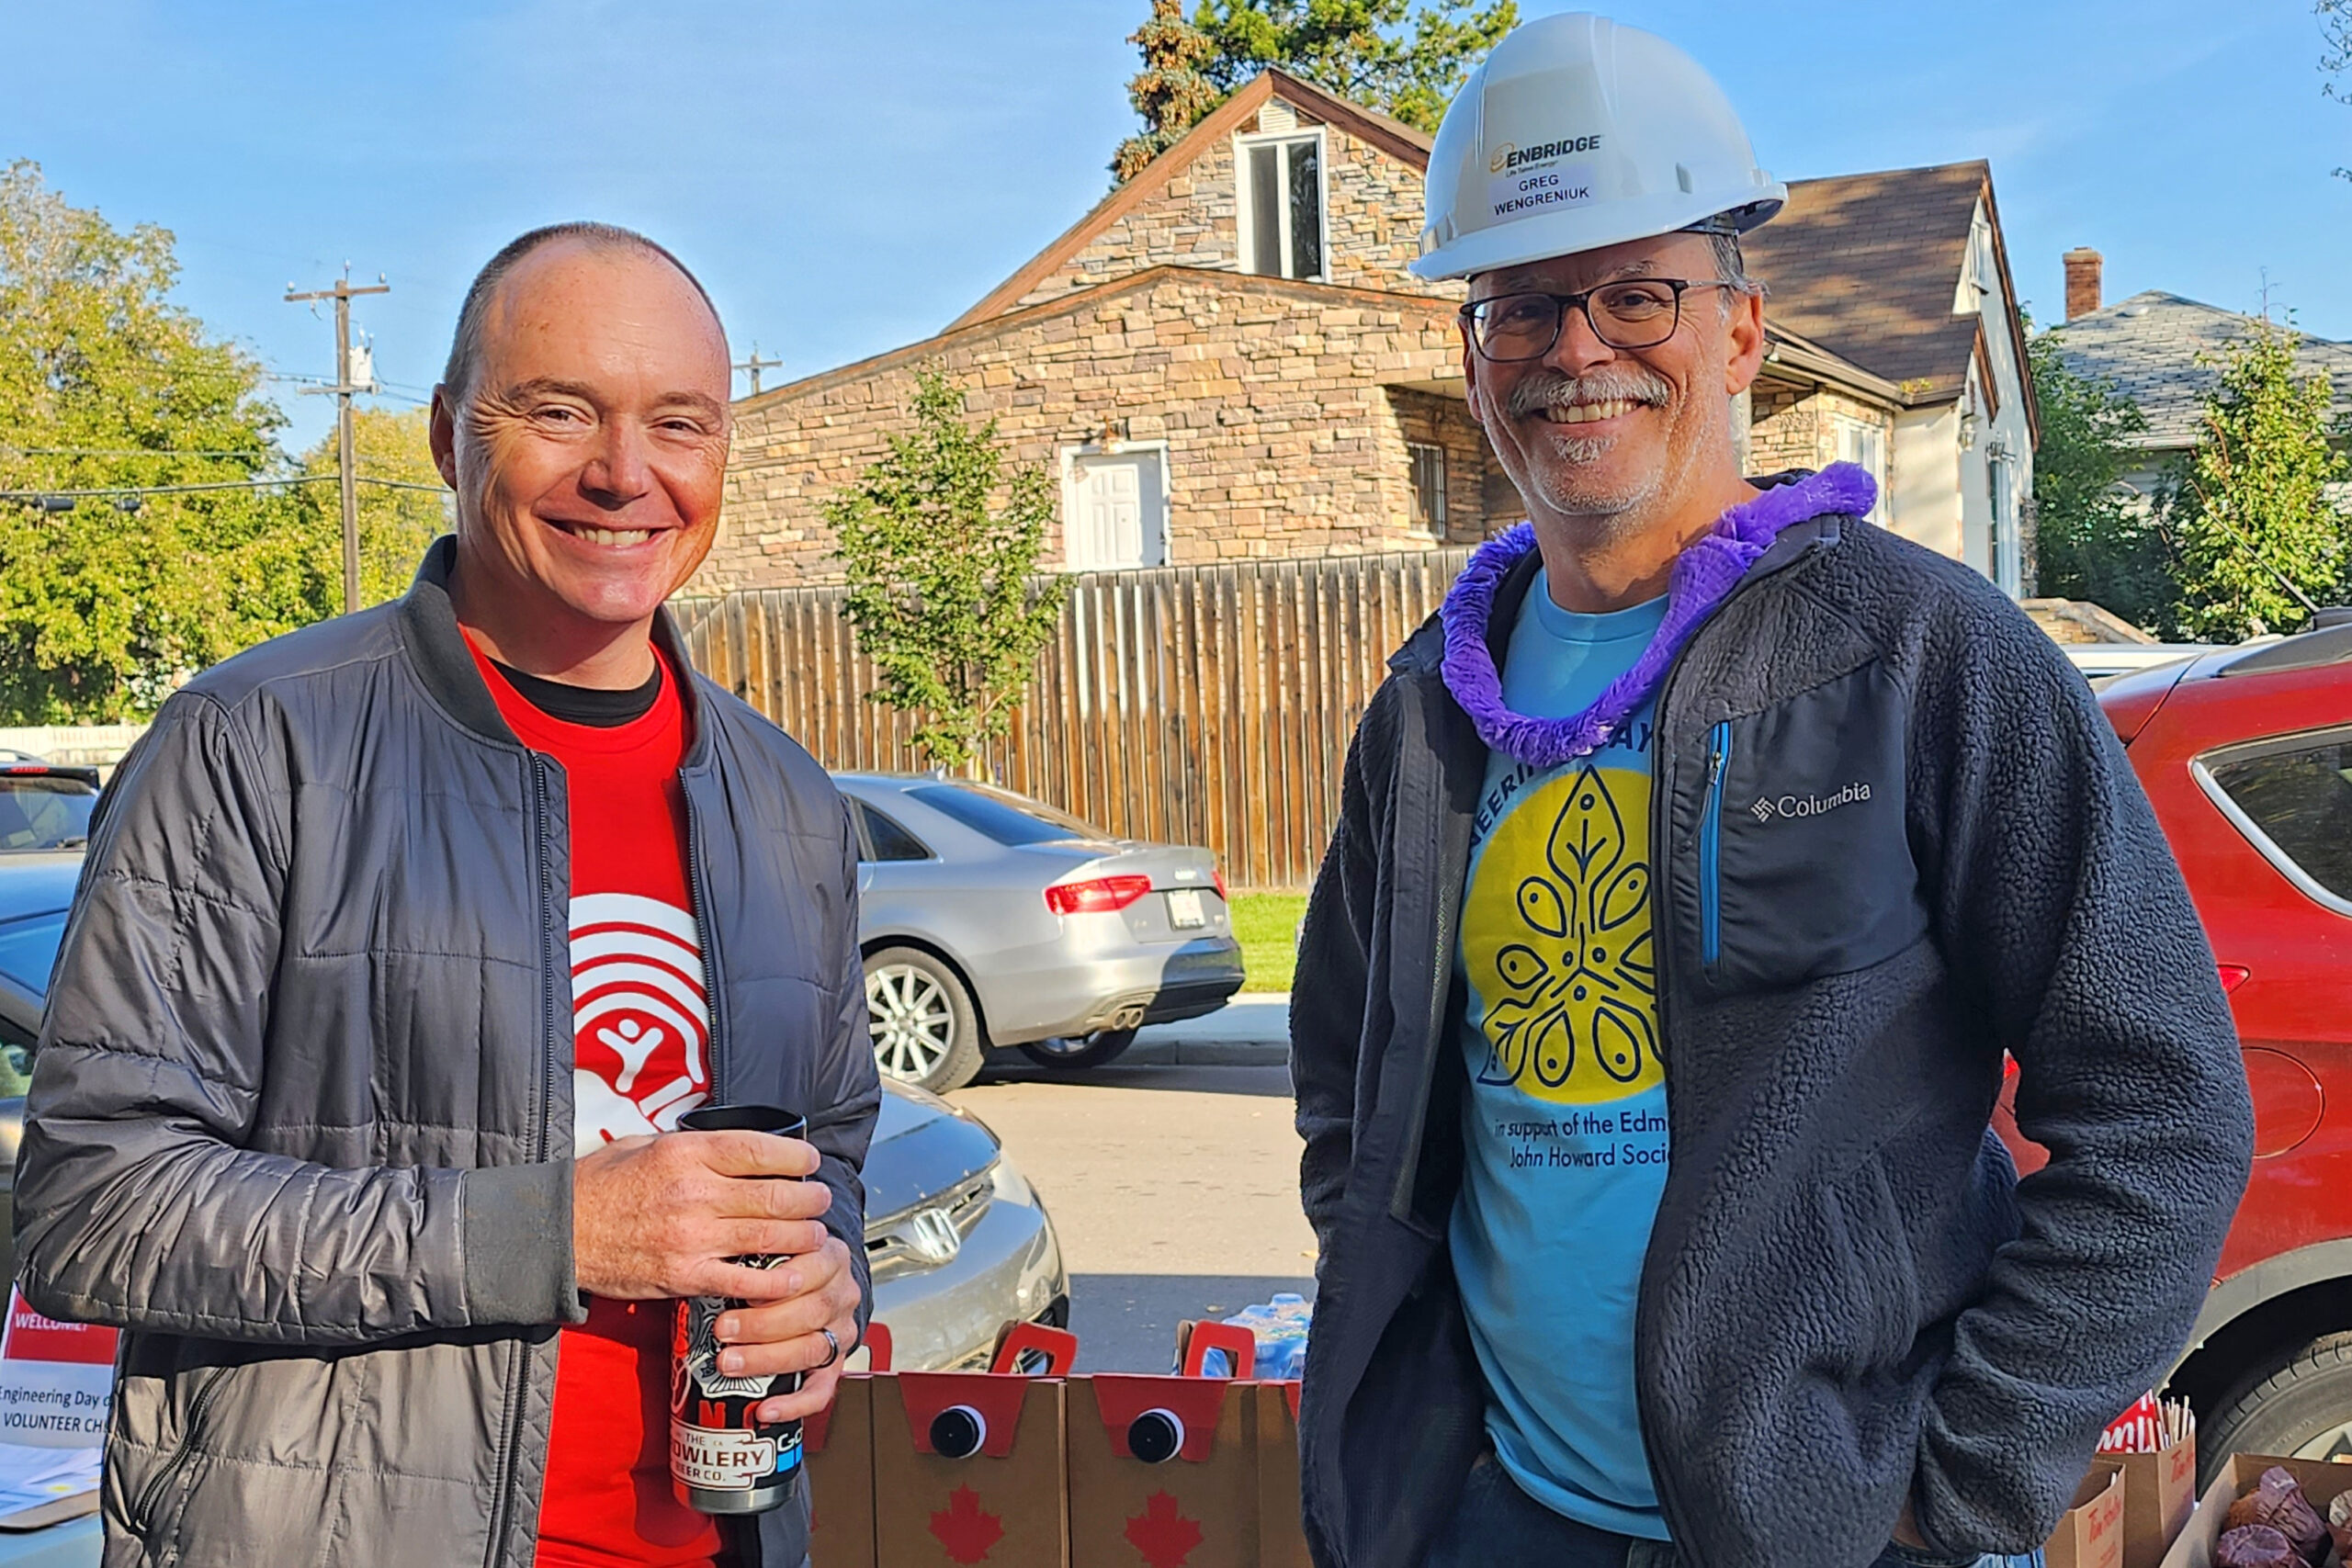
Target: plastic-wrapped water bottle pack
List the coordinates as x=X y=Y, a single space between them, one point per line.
x=1279 y=1327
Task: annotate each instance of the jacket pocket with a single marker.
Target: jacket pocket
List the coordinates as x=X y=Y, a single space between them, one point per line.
x=146 y=1507
x=1866 y=1316
x=1711 y=835
x=1803 y=853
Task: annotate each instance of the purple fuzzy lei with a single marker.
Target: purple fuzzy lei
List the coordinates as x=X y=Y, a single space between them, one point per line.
x=1702 y=574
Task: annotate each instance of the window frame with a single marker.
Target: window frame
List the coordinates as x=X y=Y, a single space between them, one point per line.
x=2201 y=768
x=1245 y=222
x=1841 y=425
x=870 y=852
x=1436 y=520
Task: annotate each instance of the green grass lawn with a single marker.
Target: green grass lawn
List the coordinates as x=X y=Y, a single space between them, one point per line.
x=1266 y=924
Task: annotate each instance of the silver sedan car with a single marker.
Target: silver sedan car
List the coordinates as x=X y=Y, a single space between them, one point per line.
x=991 y=920
x=958 y=1241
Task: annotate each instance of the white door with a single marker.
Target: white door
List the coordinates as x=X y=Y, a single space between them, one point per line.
x=1117 y=514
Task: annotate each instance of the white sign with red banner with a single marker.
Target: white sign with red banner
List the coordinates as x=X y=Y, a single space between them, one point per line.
x=55 y=1380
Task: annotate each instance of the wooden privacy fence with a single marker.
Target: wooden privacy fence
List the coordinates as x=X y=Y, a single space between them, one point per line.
x=1207 y=704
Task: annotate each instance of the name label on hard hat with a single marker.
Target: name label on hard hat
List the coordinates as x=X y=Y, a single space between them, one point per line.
x=1515 y=196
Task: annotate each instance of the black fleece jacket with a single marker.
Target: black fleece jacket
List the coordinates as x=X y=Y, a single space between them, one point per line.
x=1893 y=836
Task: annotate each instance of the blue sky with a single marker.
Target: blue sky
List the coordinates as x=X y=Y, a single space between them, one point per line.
x=848 y=179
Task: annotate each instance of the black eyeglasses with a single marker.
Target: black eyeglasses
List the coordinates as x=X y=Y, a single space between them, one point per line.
x=1640 y=313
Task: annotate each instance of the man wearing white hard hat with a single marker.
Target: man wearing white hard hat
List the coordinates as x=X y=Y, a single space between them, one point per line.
x=1697 y=867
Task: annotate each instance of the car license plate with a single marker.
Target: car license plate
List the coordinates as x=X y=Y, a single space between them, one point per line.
x=1184 y=911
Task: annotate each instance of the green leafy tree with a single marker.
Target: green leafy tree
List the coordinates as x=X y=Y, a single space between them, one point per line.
x=105 y=384
x=1169 y=93
x=943 y=581
x=395 y=524
x=2093 y=539
x=1404 y=58
x=2258 y=539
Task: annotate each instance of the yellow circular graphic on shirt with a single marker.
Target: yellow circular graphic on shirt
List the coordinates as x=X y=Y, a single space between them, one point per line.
x=1556 y=938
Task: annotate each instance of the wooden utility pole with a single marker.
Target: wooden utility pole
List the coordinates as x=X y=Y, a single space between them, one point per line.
x=347 y=458
x=755 y=365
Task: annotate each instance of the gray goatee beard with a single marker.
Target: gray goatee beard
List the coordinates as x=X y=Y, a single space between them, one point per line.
x=1546 y=389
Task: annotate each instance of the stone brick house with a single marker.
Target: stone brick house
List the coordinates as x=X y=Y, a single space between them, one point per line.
x=1226 y=359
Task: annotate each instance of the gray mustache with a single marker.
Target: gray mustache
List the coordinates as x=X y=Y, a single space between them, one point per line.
x=1552 y=389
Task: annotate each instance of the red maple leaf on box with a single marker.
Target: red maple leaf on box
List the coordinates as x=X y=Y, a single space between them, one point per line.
x=1163 y=1533
x=967 y=1530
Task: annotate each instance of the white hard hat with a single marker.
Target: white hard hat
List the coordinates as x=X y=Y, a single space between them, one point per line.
x=1575 y=133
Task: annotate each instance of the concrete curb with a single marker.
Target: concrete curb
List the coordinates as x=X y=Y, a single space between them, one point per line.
x=1207 y=1054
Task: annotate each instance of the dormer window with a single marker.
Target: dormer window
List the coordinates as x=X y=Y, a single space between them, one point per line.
x=1281 y=204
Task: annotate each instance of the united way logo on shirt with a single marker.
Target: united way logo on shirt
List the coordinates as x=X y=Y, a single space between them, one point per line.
x=640 y=1019
x=1556 y=937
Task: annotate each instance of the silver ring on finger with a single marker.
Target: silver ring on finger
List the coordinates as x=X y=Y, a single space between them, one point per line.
x=833 y=1346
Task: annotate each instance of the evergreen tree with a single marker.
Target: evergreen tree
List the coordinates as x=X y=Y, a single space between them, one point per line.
x=2093 y=539
x=943 y=586
x=2257 y=535
x=1169 y=93
x=1404 y=58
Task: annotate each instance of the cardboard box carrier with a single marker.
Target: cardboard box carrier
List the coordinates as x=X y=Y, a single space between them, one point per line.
x=2159 y=1494
x=2091 y=1534
x=838 y=1441
x=972 y=1467
x=1163 y=1472
x=2321 y=1484
x=1281 y=1539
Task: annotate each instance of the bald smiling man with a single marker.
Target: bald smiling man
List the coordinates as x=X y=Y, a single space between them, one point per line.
x=390 y=1206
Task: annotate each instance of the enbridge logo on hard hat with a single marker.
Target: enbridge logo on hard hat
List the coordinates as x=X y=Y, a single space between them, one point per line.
x=1511 y=156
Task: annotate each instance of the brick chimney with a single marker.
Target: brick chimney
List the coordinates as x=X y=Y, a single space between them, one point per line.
x=2082 y=281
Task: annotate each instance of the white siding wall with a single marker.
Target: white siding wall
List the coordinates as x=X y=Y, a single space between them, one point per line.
x=2008 y=430
x=1927 y=478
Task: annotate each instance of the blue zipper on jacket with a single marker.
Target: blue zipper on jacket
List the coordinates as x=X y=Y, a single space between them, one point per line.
x=1711 y=838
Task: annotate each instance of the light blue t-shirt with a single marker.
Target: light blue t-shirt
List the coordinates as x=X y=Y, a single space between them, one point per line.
x=1564 y=1125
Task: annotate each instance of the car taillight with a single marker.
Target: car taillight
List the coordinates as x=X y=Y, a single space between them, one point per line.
x=1217 y=874
x=2233 y=975
x=1100 y=896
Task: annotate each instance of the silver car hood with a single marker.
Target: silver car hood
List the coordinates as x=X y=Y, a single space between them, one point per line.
x=923 y=1149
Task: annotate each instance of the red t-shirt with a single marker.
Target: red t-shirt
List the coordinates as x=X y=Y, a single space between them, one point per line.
x=641 y=1059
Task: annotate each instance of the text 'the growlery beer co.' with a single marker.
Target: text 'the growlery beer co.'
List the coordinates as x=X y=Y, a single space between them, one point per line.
x=721 y=1461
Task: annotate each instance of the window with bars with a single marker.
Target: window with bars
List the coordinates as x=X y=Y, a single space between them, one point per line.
x=1282 y=206
x=1429 y=486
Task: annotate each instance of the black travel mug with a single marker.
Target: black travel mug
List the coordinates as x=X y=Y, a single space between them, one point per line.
x=722 y=1460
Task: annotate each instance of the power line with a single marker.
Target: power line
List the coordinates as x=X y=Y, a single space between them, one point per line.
x=112 y=491
x=346 y=454
x=248 y=455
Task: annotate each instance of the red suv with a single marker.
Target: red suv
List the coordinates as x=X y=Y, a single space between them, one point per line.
x=2246 y=754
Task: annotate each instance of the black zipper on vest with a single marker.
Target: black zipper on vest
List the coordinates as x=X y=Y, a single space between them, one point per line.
x=697 y=894
x=1661 y=819
x=1446 y=887
x=518 y=1379
x=143 y=1513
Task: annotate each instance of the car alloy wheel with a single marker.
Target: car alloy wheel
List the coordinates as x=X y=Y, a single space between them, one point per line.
x=926 y=1032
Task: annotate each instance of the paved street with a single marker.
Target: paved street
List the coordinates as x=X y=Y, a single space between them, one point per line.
x=1175 y=1186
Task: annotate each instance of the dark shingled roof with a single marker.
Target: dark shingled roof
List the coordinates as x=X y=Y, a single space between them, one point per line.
x=2149 y=345
x=1867 y=266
